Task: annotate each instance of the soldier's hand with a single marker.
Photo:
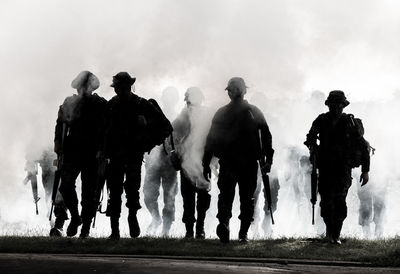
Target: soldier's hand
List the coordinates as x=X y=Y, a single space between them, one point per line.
x=207 y=173
x=266 y=168
x=364 y=178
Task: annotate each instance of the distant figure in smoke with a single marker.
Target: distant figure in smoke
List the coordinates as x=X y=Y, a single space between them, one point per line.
x=267 y=223
x=341 y=148
x=129 y=119
x=160 y=172
x=372 y=208
x=191 y=183
x=234 y=139
x=45 y=159
x=78 y=138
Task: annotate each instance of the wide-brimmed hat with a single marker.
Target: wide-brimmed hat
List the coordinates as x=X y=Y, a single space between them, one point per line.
x=237 y=82
x=337 y=97
x=86 y=79
x=123 y=79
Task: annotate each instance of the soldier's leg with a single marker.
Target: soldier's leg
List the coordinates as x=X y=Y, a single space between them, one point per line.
x=203 y=204
x=379 y=213
x=247 y=186
x=60 y=213
x=365 y=211
x=339 y=211
x=170 y=189
x=115 y=183
x=132 y=186
x=226 y=184
x=256 y=215
x=151 y=191
x=188 y=191
x=69 y=174
x=88 y=200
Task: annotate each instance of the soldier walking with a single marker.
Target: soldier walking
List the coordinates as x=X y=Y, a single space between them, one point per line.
x=341 y=148
x=190 y=145
x=234 y=138
x=129 y=123
x=78 y=136
x=161 y=173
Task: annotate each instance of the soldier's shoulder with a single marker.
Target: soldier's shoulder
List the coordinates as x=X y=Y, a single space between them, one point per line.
x=255 y=110
x=98 y=98
x=70 y=99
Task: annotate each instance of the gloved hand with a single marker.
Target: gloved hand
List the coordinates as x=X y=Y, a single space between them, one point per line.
x=364 y=178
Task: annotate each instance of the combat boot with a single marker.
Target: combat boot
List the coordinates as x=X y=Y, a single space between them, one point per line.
x=223 y=232
x=114 y=229
x=244 y=228
x=85 y=229
x=134 y=229
x=72 y=229
x=56 y=231
x=189 y=231
x=200 y=234
x=336 y=229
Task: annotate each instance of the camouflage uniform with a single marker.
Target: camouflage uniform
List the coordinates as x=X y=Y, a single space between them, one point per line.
x=83 y=116
x=234 y=139
x=334 y=164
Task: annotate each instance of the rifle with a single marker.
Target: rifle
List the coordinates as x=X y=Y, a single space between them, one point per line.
x=265 y=178
x=57 y=175
x=314 y=181
x=101 y=180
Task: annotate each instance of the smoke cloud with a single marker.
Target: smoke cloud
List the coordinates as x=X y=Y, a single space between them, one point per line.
x=284 y=50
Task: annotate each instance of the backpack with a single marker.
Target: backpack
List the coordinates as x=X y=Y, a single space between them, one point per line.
x=160 y=128
x=359 y=148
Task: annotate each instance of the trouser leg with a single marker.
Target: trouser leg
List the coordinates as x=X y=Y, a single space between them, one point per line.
x=69 y=174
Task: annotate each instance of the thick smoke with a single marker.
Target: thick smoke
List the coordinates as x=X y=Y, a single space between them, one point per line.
x=284 y=50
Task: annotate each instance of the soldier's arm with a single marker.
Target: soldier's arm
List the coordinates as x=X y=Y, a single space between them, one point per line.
x=58 y=132
x=266 y=136
x=312 y=136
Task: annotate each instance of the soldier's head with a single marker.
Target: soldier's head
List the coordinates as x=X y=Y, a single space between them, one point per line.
x=170 y=96
x=194 y=96
x=236 y=88
x=122 y=83
x=336 y=102
x=85 y=83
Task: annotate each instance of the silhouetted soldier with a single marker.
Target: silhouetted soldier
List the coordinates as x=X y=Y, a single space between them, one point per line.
x=234 y=138
x=189 y=146
x=341 y=147
x=78 y=137
x=129 y=119
x=45 y=159
x=161 y=173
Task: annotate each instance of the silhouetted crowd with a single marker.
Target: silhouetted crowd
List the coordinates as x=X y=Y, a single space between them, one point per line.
x=106 y=142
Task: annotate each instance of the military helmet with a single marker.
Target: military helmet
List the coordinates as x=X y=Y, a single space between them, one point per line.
x=123 y=79
x=337 y=96
x=194 y=96
x=86 y=79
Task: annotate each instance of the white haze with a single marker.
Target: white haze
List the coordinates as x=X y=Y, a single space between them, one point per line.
x=283 y=49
